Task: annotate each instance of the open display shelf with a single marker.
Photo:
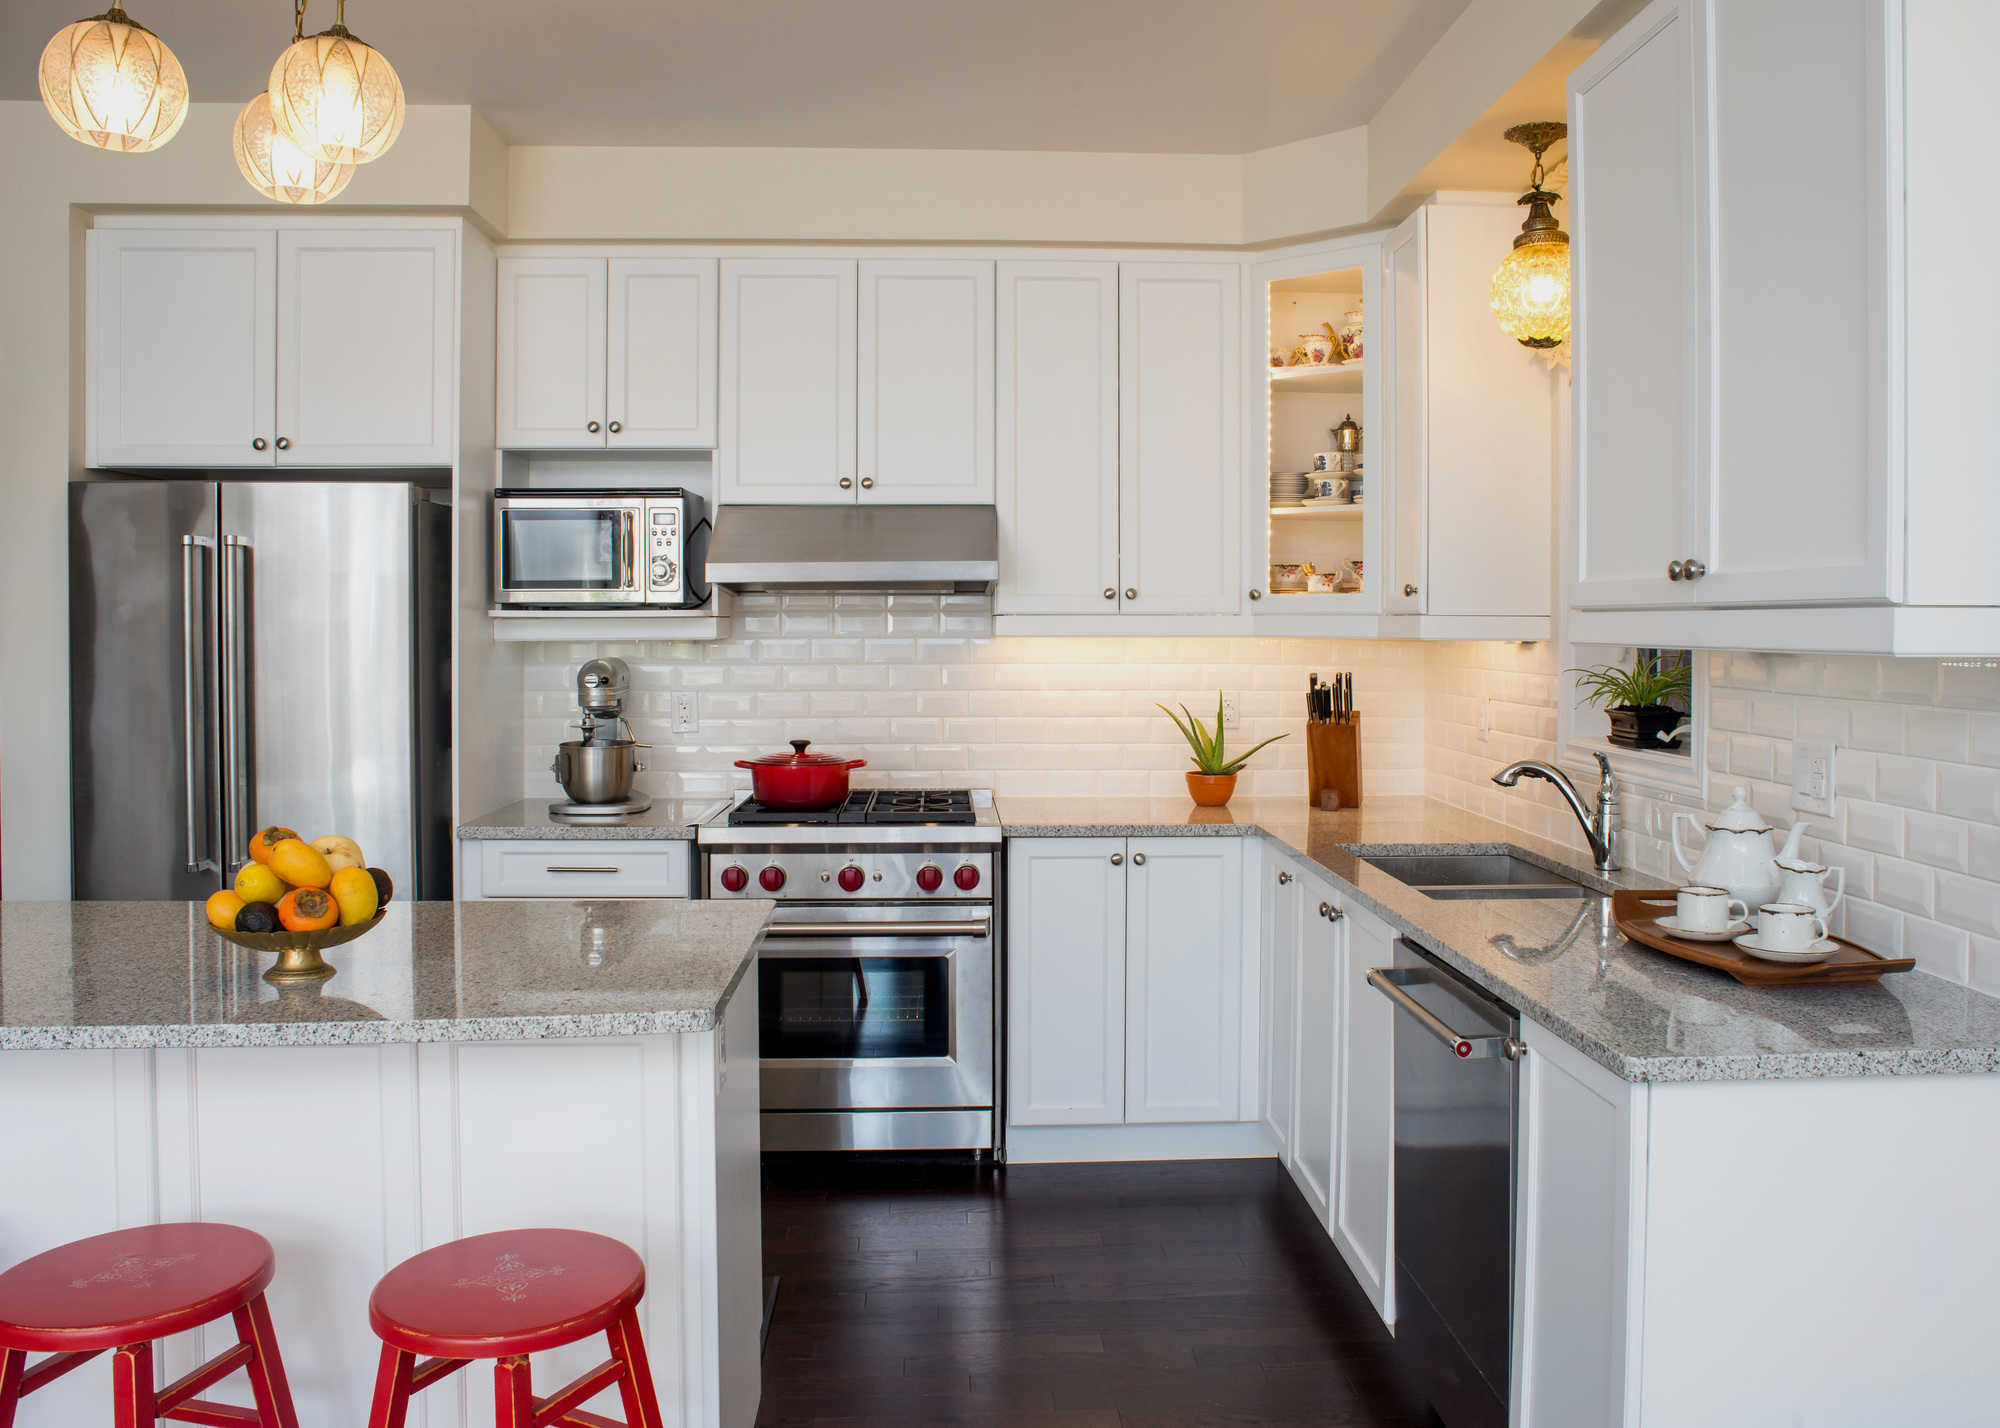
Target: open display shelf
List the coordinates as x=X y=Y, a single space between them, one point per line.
x=1334 y=377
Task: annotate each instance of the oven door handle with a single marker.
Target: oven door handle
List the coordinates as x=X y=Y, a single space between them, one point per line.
x=981 y=928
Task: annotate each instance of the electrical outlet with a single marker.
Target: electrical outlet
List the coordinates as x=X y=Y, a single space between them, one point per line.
x=1485 y=719
x=1812 y=776
x=1229 y=711
x=685 y=719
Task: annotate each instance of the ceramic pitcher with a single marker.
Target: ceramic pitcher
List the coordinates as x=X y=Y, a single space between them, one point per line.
x=1800 y=881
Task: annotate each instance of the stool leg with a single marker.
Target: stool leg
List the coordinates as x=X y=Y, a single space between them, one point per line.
x=132 y=1400
x=642 y=1407
x=12 y=1363
x=267 y=1368
x=513 y=1393
x=392 y=1389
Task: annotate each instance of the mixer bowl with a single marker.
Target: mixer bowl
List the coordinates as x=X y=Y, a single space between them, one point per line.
x=597 y=772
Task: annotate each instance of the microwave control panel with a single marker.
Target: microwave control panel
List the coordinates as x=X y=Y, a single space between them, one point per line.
x=663 y=550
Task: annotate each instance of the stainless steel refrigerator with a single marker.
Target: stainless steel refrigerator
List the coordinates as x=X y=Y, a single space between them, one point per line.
x=254 y=652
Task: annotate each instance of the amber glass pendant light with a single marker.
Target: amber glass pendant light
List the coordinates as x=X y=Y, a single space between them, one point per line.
x=278 y=168
x=333 y=97
x=1531 y=286
x=111 y=83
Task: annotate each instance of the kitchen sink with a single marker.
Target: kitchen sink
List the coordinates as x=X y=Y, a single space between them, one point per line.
x=1478 y=876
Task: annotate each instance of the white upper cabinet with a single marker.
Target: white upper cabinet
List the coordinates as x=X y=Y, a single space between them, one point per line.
x=597 y=352
x=1180 y=492
x=1066 y=981
x=314 y=346
x=1057 y=438
x=1183 y=979
x=926 y=382
x=787 y=382
x=367 y=354
x=183 y=348
x=1408 y=418
x=660 y=366
x=551 y=359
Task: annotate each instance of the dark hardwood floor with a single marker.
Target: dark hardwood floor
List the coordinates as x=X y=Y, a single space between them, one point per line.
x=1158 y=1295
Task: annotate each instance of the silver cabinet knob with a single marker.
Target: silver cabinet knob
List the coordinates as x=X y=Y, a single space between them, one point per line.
x=1322 y=909
x=847 y=483
x=1131 y=593
x=1693 y=570
x=592 y=428
x=1409 y=589
x=1256 y=594
x=284 y=443
x=1116 y=859
x=1673 y=570
x=617 y=427
x=1512 y=1049
x=1283 y=878
x=1333 y=914
x=1110 y=593
x=259 y=444
x=867 y=483
x=1138 y=860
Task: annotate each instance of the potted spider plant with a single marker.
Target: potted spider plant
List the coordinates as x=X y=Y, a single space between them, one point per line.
x=1213 y=778
x=1636 y=699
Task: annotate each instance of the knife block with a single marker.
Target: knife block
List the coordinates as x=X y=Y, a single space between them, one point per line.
x=1333 y=761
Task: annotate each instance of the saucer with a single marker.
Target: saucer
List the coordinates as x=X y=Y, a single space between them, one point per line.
x=1818 y=952
x=1671 y=925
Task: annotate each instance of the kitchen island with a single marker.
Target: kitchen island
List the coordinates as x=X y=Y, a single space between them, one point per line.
x=470 y=1067
x=1732 y=1205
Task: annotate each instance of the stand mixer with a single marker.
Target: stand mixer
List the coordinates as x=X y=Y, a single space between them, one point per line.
x=596 y=771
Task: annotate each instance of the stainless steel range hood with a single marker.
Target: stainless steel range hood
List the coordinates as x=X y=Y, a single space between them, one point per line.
x=915 y=549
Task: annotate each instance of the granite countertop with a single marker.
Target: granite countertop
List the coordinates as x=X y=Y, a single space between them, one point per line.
x=1641 y=1013
x=667 y=818
x=123 y=974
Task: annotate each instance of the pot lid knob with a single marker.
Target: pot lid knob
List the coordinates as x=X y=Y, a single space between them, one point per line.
x=799 y=749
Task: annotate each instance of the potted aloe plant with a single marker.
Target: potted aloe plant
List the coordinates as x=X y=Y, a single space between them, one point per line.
x=1214 y=776
x=1636 y=699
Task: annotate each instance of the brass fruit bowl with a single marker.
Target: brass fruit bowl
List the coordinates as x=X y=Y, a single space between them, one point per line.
x=299 y=952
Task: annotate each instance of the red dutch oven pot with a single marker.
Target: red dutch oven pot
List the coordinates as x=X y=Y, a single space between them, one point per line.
x=799 y=779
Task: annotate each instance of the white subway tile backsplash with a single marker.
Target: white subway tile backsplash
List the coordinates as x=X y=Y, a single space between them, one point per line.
x=1971 y=903
x=1937 y=841
x=1910 y=782
x=1942 y=734
x=1908 y=887
x=1879 y=727
x=1970 y=793
x=1943 y=951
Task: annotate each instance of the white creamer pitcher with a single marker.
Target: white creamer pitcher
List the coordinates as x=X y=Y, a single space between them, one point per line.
x=1800 y=881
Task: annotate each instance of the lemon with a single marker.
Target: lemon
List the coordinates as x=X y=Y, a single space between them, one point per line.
x=257 y=883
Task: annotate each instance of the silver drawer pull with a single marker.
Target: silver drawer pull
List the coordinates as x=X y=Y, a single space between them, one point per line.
x=1390 y=981
x=1285 y=877
x=583 y=870
x=1139 y=859
x=980 y=928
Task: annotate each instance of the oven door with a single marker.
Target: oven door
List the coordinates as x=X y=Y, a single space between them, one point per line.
x=555 y=550
x=876 y=1009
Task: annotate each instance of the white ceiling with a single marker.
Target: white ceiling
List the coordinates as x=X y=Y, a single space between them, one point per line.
x=1132 y=76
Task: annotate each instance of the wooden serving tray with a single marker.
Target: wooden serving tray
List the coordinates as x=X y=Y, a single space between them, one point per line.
x=1636 y=911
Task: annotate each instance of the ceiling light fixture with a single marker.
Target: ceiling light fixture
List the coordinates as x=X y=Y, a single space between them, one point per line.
x=334 y=97
x=275 y=166
x=1531 y=286
x=112 y=84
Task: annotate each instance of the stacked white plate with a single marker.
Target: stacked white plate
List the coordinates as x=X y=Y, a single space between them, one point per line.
x=1290 y=488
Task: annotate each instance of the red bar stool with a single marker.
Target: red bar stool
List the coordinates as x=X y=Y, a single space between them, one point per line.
x=504 y=1296
x=123 y=1290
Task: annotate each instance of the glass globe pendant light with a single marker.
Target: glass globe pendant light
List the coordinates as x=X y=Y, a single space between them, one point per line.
x=334 y=97
x=275 y=166
x=112 y=84
x=1531 y=286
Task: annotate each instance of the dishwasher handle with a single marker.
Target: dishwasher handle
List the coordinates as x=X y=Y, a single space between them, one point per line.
x=1390 y=981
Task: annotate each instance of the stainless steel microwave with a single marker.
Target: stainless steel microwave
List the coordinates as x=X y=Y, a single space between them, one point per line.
x=585 y=549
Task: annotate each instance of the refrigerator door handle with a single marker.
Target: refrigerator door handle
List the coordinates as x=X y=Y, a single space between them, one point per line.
x=194 y=702
x=236 y=810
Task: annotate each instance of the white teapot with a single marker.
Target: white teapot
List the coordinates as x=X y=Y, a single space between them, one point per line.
x=1739 y=854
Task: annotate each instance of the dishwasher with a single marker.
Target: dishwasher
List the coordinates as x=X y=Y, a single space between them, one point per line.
x=1457 y=1086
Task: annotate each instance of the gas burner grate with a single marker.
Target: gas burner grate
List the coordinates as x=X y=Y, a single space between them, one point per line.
x=946 y=806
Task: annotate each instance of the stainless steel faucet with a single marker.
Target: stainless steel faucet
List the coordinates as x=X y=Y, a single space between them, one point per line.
x=1601 y=828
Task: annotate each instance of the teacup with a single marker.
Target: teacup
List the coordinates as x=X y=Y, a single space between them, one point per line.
x=1789 y=927
x=1705 y=909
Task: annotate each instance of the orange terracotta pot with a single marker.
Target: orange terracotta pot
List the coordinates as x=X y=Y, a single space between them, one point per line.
x=1211 y=790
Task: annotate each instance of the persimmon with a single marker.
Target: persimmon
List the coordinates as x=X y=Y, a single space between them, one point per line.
x=307 y=910
x=265 y=839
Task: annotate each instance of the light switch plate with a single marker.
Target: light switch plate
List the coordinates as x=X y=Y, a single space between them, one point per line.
x=685 y=719
x=1812 y=776
x=1229 y=711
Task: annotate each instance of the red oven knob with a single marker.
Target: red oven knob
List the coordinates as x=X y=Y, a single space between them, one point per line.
x=966 y=877
x=772 y=878
x=850 y=879
x=735 y=879
x=929 y=878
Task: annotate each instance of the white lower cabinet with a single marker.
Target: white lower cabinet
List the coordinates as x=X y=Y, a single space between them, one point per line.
x=1281 y=899
x=569 y=868
x=1125 y=981
x=1363 y=1219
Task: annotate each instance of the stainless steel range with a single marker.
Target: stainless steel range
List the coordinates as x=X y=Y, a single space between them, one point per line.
x=876 y=987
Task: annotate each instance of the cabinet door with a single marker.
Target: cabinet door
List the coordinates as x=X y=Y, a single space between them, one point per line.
x=1799 y=499
x=1065 y=981
x=660 y=364
x=1180 y=490
x=926 y=383
x=1183 y=979
x=1277 y=994
x=1057 y=438
x=183 y=348
x=367 y=352
x=787 y=382
x=1633 y=318
x=1365 y=1147
x=1317 y=1037
x=1409 y=418
x=551 y=339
